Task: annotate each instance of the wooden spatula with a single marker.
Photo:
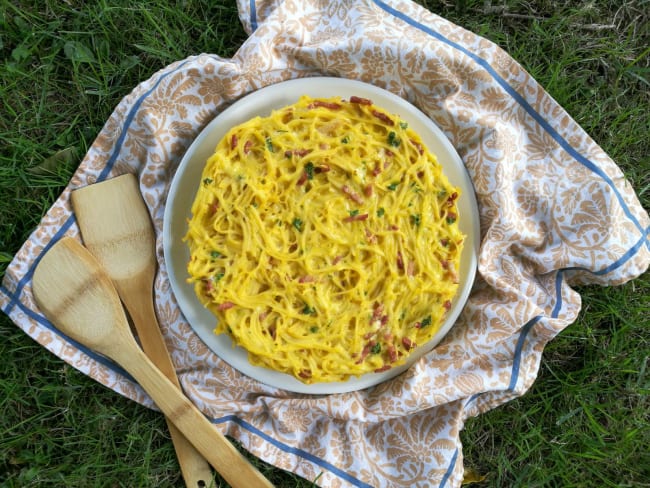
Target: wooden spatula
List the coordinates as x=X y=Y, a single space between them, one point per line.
x=75 y=294
x=116 y=229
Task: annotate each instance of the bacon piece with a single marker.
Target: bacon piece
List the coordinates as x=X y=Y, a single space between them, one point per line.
x=392 y=353
x=297 y=152
x=209 y=286
x=214 y=206
x=247 y=146
x=305 y=374
x=225 y=306
x=337 y=259
x=367 y=190
x=351 y=194
x=418 y=146
x=324 y=104
x=370 y=334
x=447 y=305
x=306 y=279
x=355 y=218
x=360 y=100
x=408 y=343
x=383 y=117
x=377 y=311
x=400 y=261
x=385 y=367
x=393 y=227
x=377 y=169
x=372 y=239
x=303 y=178
x=233 y=141
x=366 y=351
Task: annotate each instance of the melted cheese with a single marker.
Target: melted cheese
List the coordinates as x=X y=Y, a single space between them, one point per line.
x=324 y=238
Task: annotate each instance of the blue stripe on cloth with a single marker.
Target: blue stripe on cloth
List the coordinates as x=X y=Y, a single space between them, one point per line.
x=292 y=450
x=253 y=15
x=450 y=469
x=522 y=101
x=514 y=376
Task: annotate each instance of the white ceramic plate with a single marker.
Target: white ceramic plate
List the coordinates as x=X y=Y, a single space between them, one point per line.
x=186 y=182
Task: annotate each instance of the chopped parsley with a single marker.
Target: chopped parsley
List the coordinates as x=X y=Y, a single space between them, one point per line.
x=451 y=220
x=298 y=224
x=376 y=349
x=309 y=170
x=415 y=220
x=207 y=181
x=425 y=321
x=354 y=212
x=269 y=145
x=314 y=329
x=403 y=125
x=380 y=212
x=307 y=310
x=393 y=186
x=215 y=254
x=393 y=140
x=345 y=140
x=218 y=277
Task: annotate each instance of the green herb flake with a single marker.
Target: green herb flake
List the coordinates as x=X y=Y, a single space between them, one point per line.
x=376 y=349
x=298 y=224
x=354 y=212
x=218 y=277
x=313 y=329
x=309 y=169
x=207 y=181
x=403 y=125
x=415 y=220
x=393 y=186
x=269 y=145
x=307 y=310
x=451 y=220
x=215 y=254
x=345 y=140
x=393 y=140
x=425 y=321
x=380 y=212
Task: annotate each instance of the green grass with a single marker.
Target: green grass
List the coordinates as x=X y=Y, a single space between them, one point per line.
x=65 y=67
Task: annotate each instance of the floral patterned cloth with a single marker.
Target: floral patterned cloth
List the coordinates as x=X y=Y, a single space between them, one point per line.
x=554 y=211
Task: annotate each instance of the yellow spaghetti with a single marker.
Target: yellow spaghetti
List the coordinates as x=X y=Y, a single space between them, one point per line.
x=325 y=239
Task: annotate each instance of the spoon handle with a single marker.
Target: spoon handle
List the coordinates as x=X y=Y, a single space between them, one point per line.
x=139 y=303
x=219 y=452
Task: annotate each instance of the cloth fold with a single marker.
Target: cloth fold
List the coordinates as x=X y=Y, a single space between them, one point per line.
x=555 y=211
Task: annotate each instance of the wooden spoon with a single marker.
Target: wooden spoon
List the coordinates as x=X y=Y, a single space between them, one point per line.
x=116 y=229
x=77 y=296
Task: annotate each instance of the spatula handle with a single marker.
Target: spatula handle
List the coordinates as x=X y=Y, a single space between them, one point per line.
x=219 y=452
x=139 y=303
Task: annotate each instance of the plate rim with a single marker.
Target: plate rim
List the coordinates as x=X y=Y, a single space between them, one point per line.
x=326 y=86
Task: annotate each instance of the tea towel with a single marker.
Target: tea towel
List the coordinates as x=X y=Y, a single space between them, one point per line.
x=555 y=211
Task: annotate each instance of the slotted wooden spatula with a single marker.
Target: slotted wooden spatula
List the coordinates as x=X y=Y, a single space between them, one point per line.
x=75 y=294
x=116 y=229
